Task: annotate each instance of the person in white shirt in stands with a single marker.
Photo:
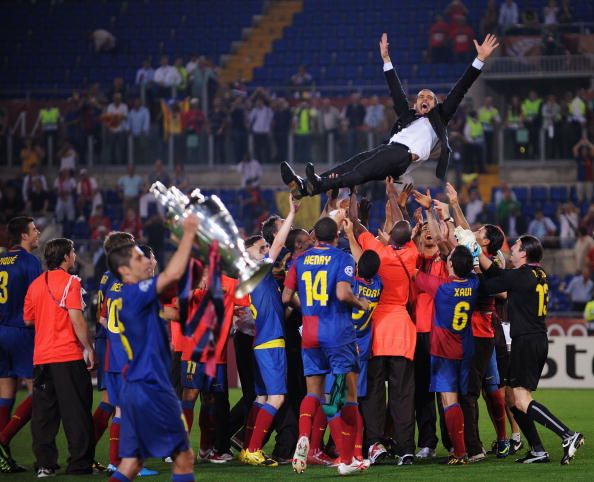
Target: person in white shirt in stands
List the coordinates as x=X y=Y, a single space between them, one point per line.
x=508 y=15
x=145 y=74
x=474 y=207
x=260 y=121
x=116 y=121
x=568 y=224
x=541 y=226
x=129 y=186
x=139 y=120
x=103 y=40
x=250 y=171
x=166 y=77
x=579 y=290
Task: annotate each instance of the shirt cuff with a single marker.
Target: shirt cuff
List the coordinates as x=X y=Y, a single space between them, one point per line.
x=477 y=64
x=388 y=66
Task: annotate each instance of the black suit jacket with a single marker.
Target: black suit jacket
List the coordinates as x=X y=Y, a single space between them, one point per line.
x=439 y=117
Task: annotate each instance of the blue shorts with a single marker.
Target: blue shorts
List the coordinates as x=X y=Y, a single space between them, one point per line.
x=361 y=380
x=449 y=375
x=492 y=373
x=100 y=347
x=270 y=374
x=152 y=423
x=193 y=376
x=113 y=384
x=337 y=360
x=16 y=352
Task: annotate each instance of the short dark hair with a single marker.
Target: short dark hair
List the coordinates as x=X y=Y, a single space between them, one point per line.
x=461 y=259
x=292 y=237
x=55 y=251
x=147 y=250
x=249 y=242
x=119 y=256
x=532 y=246
x=495 y=237
x=116 y=239
x=17 y=227
x=368 y=265
x=269 y=228
x=401 y=233
x=326 y=230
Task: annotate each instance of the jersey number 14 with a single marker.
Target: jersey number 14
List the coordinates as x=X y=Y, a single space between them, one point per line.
x=316 y=290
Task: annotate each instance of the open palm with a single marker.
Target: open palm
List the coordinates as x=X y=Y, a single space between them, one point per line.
x=488 y=46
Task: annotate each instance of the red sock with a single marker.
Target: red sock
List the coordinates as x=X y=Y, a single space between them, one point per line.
x=188 y=409
x=358 y=453
x=101 y=419
x=263 y=422
x=307 y=412
x=335 y=424
x=114 y=442
x=19 y=419
x=498 y=411
x=5 y=409
x=250 y=423
x=318 y=429
x=349 y=415
x=454 y=419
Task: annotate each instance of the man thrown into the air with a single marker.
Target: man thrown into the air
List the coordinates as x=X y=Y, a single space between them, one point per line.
x=418 y=134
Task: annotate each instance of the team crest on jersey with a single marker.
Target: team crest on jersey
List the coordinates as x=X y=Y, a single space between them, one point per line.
x=348 y=271
x=145 y=285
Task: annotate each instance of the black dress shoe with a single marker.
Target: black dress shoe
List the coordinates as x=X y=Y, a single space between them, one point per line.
x=293 y=181
x=314 y=182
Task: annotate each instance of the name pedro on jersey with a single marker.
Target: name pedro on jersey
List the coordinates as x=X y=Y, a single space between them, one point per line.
x=317 y=259
x=463 y=292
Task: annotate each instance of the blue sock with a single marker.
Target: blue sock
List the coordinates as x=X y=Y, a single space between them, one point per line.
x=188 y=404
x=119 y=476
x=116 y=420
x=183 y=477
x=7 y=402
x=270 y=409
x=106 y=407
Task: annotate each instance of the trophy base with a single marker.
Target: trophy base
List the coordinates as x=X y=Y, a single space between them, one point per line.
x=247 y=285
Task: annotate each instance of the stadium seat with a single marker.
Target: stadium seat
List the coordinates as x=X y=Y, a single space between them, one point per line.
x=539 y=194
x=559 y=194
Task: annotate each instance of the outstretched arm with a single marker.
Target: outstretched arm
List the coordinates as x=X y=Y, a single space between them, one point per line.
x=458 y=215
x=452 y=101
x=396 y=90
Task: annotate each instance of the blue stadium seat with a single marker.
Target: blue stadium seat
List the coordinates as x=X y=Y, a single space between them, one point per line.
x=521 y=193
x=559 y=194
x=539 y=194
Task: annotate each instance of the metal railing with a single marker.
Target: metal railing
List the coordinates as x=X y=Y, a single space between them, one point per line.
x=540 y=66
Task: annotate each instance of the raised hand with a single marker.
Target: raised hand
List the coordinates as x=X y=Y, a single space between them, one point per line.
x=418 y=216
x=423 y=199
x=451 y=193
x=293 y=204
x=383 y=46
x=488 y=46
x=404 y=195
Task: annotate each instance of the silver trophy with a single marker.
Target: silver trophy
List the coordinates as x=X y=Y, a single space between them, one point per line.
x=216 y=224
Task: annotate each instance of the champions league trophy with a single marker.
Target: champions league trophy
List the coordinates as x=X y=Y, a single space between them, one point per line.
x=216 y=224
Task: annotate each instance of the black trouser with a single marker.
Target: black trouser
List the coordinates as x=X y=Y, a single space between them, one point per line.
x=262 y=147
x=222 y=442
x=63 y=392
x=244 y=354
x=483 y=350
x=424 y=399
x=373 y=165
x=399 y=372
x=176 y=373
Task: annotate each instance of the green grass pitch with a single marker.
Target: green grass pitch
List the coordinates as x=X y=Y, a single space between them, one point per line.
x=572 y=406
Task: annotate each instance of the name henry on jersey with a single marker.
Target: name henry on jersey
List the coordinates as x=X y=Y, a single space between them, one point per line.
x=317 y=259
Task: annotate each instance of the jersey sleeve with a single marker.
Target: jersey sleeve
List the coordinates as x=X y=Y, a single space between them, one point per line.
x=74 y=299
x=368 y=241
x=143 y=293
x=428 y=283
x=291 y=278
x=346 y=269
x=497 y=280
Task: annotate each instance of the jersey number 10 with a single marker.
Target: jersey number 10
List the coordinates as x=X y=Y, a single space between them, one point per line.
x=316 y=290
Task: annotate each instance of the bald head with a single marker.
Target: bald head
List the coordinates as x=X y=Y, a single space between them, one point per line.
x=401 y=233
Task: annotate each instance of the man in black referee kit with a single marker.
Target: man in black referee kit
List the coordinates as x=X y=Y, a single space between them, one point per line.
x=419 y=134
x=527 y=294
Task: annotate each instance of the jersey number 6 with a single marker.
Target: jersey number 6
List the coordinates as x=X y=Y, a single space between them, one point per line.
x=460 y=316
